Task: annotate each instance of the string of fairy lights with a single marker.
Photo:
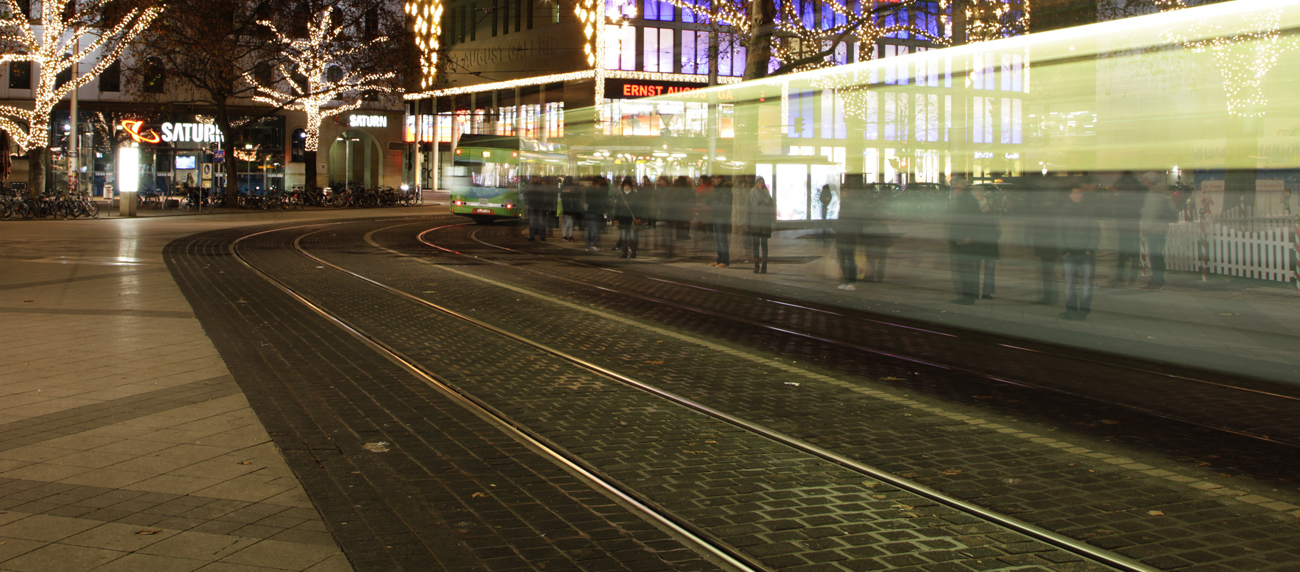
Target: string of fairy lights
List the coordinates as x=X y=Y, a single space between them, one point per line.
x=1242 y=58
x=58 y=47
x=310 y=89
x=427 y=25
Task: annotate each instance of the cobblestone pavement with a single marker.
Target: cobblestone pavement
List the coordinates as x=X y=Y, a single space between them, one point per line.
x=783 y=507
x=1134 y=497
x=406 y=478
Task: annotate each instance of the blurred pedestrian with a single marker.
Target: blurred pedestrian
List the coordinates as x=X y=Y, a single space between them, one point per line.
x=963 y=232
x=720 y=210
x=595 y=206
x=1078 y=234
x=551 y=204
x=627 y=205
x=1045 y=202
x=570 y=208
x=848 y=230
x=1157 y=212
x=875 y=237
x=683 y=206
x=1126 y=200
x=535 y=200
x=988 y=235
x=703 y=221
x=762 y=220
x=824 y=197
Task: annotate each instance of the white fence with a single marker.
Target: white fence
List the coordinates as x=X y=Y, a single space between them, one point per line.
x=1262 y=248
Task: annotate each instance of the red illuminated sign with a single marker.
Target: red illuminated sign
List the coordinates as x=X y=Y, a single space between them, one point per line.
x=636 y=89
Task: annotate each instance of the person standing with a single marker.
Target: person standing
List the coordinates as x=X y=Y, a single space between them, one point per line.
x=1127 y=198
x=596 y=206
x=720 y=210
x=762 y=220
x=824 y=201
x=683 y=206
x=848 y=229
x=875 y=237
x=551 y=203
x=570 y=208
x=535 y=200
x=626 y=208
x=1157 y=212
x=703 y=220
x=988 y=233
x=1046 y=202
x=1078 y=234
x=963 y=232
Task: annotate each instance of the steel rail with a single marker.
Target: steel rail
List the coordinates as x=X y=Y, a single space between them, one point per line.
x=702 y=541
x=1054 y=539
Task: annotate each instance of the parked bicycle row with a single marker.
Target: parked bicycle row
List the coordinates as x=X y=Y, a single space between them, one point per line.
x=15 y=205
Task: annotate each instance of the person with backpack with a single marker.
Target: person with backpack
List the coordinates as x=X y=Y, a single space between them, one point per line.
x=627 y=208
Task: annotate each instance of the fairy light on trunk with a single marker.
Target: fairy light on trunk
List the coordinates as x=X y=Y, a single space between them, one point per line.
x=426 y=18
x=310 y=89
x=61 y=43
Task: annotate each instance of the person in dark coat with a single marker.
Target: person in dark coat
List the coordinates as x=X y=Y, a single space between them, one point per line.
x=848 y=231
x=964 y=230
x=824 y=198
x=762 y=220
x=988 y=233
x=683 y=201
x=595 y=199
x=627 y=215
x=551 y=203
x=875 y=238
x=1126 y=199
x=1078 y=235
x=535 y=200
x=1044 y=206
x=570 y=208
x=720 y=210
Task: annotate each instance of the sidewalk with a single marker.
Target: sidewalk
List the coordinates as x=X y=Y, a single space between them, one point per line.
x=125 y=444
x=1240 y=326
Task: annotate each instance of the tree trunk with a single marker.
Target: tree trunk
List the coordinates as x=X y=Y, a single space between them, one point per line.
x=37 y=157
x=1242 y=150
x=232 y=175
x=309 y=173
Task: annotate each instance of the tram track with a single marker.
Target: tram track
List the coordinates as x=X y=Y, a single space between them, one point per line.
x=701 y=538
x=1254 y=393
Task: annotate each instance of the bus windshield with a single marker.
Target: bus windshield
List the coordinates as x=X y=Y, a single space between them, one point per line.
x=491 y=175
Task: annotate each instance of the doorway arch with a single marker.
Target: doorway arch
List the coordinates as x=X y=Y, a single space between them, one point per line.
x=355 y=157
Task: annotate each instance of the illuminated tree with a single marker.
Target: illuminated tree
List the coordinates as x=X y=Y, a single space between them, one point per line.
x=208 y=69
x=67 y=33
x=319 y=77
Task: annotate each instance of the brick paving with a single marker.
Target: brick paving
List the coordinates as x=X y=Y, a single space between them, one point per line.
x=1113 y=496
x=781 y=506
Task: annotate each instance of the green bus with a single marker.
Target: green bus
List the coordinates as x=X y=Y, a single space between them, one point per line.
x=488 y=172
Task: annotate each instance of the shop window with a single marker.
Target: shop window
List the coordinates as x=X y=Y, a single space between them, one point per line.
x=624 y=8
x=111 y=78
x=20 y=75
x=264 y=74
x=661 y=10
x=25 y=7
x=731 y=55
x=693 y=16
x=370 y=24
x=519 y=13
x=658 y=53
x=155 y=77
x=620 y=47
x=528 y=12
x=695 y=52
x=297 y=146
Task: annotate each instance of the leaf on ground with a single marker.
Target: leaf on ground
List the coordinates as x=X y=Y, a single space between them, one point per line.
x=1155 y=513
x=245 y=463
x=952 y=472
x=148 y=532
x=1110 y=421
x=892 y=378
x=903 y=506
x=380 y=447
x=655 y=362
x=29 y=300
x=477 y=495
x=794 y=383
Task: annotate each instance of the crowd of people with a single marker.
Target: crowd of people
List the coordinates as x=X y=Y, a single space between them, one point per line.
x=1062 y=218
x=716 y=208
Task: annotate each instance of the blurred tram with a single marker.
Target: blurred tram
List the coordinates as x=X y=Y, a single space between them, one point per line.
x=488 y=171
